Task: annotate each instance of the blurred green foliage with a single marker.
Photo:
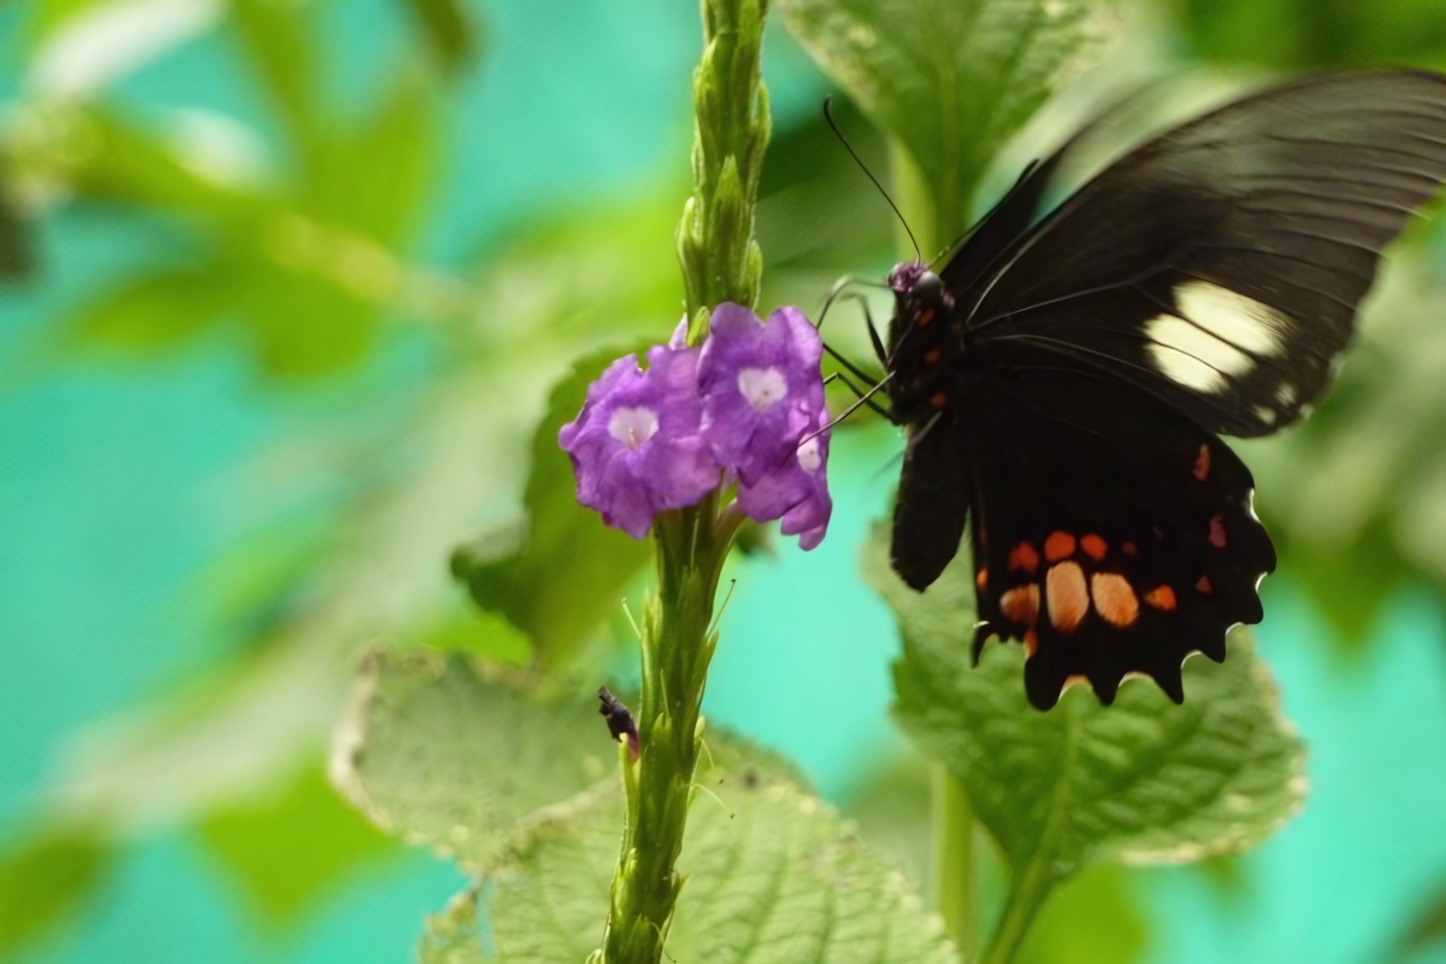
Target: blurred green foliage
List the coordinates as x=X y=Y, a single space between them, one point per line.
x=303 y=240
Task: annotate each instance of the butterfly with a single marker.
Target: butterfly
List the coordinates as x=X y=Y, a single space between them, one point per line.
x=1065 y=380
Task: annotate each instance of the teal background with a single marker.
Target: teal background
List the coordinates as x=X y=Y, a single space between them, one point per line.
x=112 y=498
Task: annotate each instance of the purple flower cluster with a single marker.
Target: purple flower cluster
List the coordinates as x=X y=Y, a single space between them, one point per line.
x=746 y=407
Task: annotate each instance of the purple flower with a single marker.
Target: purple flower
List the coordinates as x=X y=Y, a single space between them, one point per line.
x=796 y=491
x=738 y=409
x=761 y=388
x=636 y=447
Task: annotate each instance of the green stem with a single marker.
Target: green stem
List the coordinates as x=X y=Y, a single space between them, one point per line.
x=1026 y=897
x=955 y=872
x=721 y=262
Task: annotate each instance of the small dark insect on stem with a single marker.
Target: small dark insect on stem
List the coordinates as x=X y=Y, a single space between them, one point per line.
x=620 y=720
x=828 y=116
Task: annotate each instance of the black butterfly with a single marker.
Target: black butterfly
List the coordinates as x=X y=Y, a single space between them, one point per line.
x=1065 y=382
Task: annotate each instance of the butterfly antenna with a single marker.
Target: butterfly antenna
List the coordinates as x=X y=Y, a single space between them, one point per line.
x=828 y=116
x=863 y=400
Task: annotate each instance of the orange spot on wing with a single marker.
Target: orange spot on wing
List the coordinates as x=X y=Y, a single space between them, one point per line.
x=1202 y=463
x=926 y=316
x=938 y=399
x=1217 y=532
x=1094 y=546
x=1024 y=557
x=1031 y=644
x=1021 y=604
x=1069 y=599
x=931 y=357
x=1115 y=599
x=981 y=579
x=1203 y=585
x=1130 y=549
x=1059 y=545
x=1161 y=597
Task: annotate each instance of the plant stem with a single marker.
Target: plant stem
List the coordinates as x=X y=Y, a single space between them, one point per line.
x=721 y=262
x=1026 y=897
x=955 y=870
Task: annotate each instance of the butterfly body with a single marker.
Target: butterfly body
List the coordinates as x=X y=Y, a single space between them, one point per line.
x=1064 y=381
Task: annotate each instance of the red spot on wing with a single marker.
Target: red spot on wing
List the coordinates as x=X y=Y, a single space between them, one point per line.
x=1161 y=597
x=938 y=399
x=1130 y=549
x=1094 y=546
x=1069 y=598
x=1202 y=463
x=1059 y=545
x=981 y=580
x=931 y=357
x=1217 y=532
x=926 y=316
x=1203 y=585
x=1114 y=599
x=1020 y=605
x=1024 y=557
x=1031 y=644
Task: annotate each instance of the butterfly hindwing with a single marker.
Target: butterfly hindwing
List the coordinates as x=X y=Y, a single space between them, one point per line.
x=1113 y=535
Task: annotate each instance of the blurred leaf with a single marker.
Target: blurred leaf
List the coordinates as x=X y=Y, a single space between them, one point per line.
x=374 y=179
x=572 y=569
x=894 y=814
x=483 y=635
x=774 y=875
x=1142 y=781
x=161 y=308
x=952 y=80
x=1317 y=34
x=289 y=852
x=44 y=879
x=1350 y=583
x=451 y=29
x=106 y=156
x=454 y=762
x=302 y=323
x=1091 y=919
x=275 y=38
x=1427 y=930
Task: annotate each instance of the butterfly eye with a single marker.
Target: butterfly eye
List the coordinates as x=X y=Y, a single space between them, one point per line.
x=928 y=289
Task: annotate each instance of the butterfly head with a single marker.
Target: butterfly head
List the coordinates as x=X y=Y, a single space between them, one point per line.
x=921 y=342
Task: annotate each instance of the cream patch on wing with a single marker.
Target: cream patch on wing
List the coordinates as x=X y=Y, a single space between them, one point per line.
x=1213 y=337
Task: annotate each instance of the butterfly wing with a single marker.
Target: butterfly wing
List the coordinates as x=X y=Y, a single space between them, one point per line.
x=1113 y=535
x=1220 y=266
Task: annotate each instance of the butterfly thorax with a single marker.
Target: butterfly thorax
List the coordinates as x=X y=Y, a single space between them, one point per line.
x=923 y=344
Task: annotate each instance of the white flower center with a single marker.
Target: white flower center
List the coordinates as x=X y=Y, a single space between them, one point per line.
x=808 y=456
x=762 y=387
x=633 y=426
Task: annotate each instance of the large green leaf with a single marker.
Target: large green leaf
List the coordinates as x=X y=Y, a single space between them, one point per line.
x=571 y=570
x=434 y=752
x=1142 y=781
x=452 y=30
x=773 y=877
x=952 y=80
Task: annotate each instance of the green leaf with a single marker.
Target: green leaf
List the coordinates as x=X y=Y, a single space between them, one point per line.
x=274 y=37
x=463 y=765
x=952 y=80
x=374 y=179
x=44 y=879
x=571 y=570
x=1142 y=781
x=153 y=310
x=1427 y=930
x=291 y=851
x=774 y=875
x=452 y=31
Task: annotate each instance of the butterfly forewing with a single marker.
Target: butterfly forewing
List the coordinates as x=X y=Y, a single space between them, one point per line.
x=1221 y=265
x=1068 y=398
